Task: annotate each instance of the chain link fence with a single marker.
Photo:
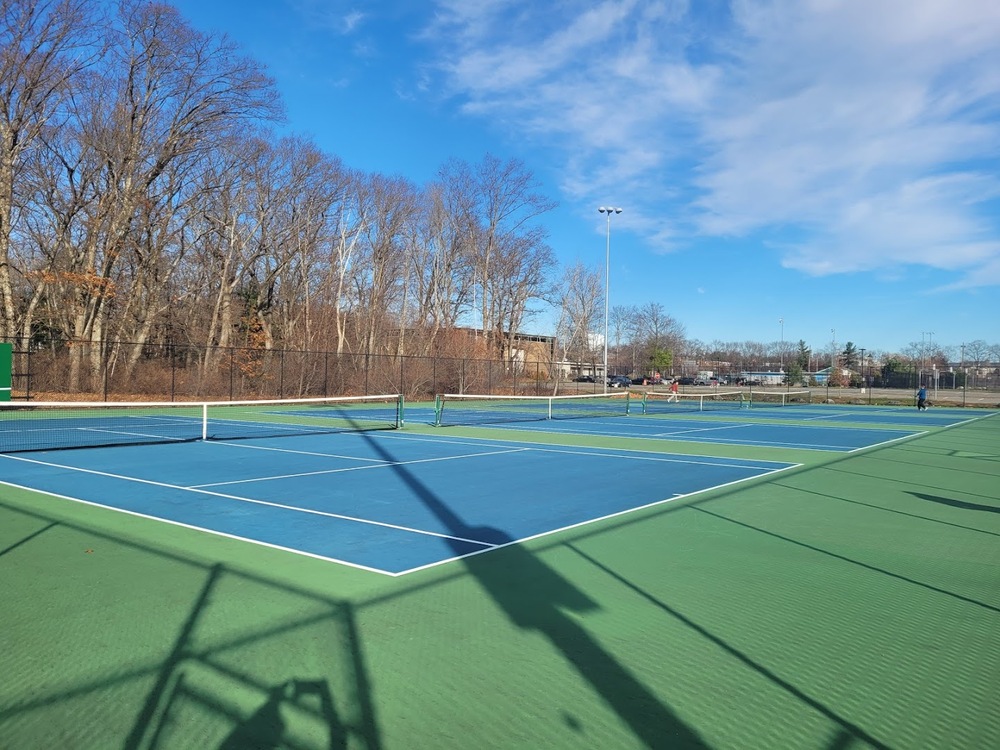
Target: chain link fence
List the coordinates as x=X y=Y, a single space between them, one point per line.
x=114 y=371
x=68 y=370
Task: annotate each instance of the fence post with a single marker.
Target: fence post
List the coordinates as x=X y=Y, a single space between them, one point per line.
x=104 y=368
x=281 y=373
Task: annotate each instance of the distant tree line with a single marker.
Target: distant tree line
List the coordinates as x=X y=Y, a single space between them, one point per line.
x=145 y=197
x=849 y=365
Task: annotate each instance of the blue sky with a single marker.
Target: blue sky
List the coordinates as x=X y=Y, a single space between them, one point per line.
x=829 y=164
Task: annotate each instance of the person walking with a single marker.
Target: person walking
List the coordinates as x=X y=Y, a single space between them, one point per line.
x=922 y=399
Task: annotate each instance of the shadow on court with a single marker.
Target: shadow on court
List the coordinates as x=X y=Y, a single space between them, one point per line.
x=266 y=727
x=534 y=597
x=214 y=687
x=951 y=502
x=847 y=731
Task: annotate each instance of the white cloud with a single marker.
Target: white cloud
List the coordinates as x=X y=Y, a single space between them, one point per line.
x=351 y=21
x=868 y=131
x=333 y=16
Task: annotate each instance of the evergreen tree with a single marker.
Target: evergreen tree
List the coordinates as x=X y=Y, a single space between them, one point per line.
x=803 y=356
x=849 y=358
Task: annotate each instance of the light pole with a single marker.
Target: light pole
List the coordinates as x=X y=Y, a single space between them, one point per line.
x=607 y=285
x=781 y=352
x=923 y=352
x=965 y=376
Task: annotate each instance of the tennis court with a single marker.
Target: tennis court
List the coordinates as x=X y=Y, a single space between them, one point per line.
x=387 y=504
x=700 y=420
x=372 y=575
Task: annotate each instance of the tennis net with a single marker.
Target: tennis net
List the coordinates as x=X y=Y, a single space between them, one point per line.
x=659 y=402
x=56 y=425
x=472 y=409
x=779 y=398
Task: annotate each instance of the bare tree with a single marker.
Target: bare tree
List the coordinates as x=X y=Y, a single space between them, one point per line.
x=164 y=98
x=660 y=331
x=581 y=295
x=443 y=260
x=623 y=320
x=511 y=258
x=977 y=351
x=521 y=275
x=389 y=205
x=43 y=48
x=349 y=222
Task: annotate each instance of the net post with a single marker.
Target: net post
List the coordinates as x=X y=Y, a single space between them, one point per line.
x=399 y=411
x=438 y=408
x=204 y=421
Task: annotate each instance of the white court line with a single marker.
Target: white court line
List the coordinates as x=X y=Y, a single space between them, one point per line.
x=225 y=496
x=383 y=465
x=164 y=438
x=656 y=459
x=888 y=442
x=298 y=452
x=632 y=434
x=593 y=520
x=708 y=429
x=751 y=442
x=183 y=525
x=630 y=454
x=744 y=442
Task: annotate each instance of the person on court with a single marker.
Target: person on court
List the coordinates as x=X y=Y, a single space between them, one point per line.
x=921 y=399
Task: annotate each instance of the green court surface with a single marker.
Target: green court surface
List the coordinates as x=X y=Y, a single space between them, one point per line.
x=852 y=602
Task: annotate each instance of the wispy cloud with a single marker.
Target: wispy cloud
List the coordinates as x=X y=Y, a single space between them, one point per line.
x=342 y=18
x=352 y=20
x=856 y=136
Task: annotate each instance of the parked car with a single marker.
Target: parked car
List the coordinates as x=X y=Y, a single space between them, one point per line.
x=584 y=379
x=685 y=381
x=619 y=381
x=646 y=380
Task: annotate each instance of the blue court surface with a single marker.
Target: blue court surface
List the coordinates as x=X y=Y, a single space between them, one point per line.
x=382 y=501
x=860 y=414
x=732 y=428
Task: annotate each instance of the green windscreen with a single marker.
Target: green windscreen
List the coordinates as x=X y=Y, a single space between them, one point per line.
x=6 y=356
